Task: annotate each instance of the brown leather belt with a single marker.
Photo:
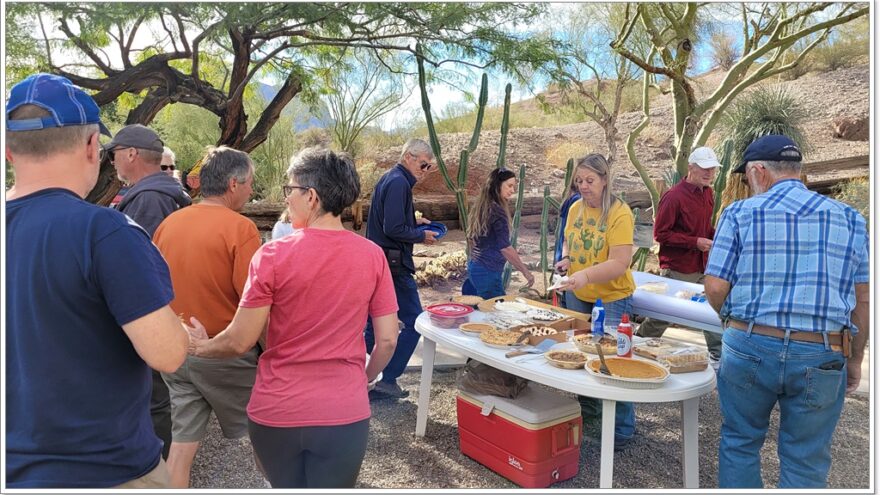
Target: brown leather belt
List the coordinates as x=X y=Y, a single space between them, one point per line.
x=837 y=340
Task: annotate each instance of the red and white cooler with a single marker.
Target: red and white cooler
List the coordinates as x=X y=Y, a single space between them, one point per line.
x=533 y=440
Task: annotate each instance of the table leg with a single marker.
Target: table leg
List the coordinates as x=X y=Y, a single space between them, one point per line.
x=606 y=461
x=429 y=348
x=690 y=429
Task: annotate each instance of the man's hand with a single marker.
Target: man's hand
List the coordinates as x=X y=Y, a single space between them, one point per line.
x=704 y=244
x=430 y=237
x=853 y=375
x=197 y=335
x=422 y=221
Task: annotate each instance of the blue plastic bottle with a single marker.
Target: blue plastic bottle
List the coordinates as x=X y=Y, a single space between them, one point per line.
x=598 y=318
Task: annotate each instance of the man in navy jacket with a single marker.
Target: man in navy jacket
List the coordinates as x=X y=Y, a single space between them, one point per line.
x=392 y=225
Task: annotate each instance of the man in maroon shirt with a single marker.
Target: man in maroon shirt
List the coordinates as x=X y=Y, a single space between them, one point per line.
x=683 y=227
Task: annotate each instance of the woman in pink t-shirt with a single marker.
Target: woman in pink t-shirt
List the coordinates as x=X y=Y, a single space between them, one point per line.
x=309 y=412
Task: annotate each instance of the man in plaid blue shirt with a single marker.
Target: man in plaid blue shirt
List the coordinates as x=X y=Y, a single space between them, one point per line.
x=788 y=274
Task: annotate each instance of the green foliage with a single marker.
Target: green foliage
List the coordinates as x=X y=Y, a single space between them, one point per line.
x=359 y=94
x=766 y=110
x=856 y=193
x=722 y=176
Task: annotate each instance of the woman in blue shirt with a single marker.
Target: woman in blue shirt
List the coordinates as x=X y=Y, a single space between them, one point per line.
x=489 y=238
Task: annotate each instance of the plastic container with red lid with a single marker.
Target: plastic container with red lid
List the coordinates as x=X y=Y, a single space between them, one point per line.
x=449 y=315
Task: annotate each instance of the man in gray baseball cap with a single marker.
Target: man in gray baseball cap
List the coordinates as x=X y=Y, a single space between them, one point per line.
x=136 y=152
x=137 y=136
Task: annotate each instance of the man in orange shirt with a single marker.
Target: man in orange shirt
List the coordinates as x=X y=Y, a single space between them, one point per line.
x=208 y=247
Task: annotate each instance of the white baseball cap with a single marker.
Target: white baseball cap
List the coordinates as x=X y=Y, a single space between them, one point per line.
x=704 y=157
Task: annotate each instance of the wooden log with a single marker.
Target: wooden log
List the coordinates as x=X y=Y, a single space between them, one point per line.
x=444 y=209
x=836 y=165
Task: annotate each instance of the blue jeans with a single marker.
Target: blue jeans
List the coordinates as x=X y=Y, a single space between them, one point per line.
x=624 y=412
x=409 y=307
x=806 y=379
x=482 y=282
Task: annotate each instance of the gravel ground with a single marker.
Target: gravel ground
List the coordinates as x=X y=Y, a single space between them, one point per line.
x=396 y=458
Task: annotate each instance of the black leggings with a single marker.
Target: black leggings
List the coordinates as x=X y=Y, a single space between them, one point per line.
x=311 y=456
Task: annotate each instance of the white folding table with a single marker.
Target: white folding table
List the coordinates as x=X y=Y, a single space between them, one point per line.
x=685 y=388
x=667 y=307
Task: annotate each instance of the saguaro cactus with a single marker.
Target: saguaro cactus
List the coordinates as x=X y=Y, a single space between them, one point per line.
x=517 y=216
x=459 y=187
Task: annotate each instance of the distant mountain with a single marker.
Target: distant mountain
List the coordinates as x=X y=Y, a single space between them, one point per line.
x=304 y=117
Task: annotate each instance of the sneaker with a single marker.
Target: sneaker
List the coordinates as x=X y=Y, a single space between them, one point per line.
x=621 y=444
x=385 y=390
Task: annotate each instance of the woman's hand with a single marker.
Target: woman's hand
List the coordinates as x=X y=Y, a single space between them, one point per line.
x=197 y=335
x=576 y=280
x=562 y=265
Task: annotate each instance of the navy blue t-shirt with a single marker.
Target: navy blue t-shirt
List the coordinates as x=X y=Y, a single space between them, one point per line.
x=77 y=393
x=487 y=248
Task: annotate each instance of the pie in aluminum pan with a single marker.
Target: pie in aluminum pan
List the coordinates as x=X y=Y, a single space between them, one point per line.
x=497 y=337
x=540 y=314
x=584 y=343
x=540 y=331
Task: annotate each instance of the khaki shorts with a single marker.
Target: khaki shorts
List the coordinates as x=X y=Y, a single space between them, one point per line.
x=203 y=385
x=157 y=478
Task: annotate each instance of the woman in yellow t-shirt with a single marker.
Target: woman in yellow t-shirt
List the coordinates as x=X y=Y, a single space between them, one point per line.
x=596 y=254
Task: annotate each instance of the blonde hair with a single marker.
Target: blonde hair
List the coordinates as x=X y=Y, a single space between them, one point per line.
x=598 y=164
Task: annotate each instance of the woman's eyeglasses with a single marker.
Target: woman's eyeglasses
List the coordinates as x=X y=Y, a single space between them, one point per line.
x=166 y=167
x=286 y=190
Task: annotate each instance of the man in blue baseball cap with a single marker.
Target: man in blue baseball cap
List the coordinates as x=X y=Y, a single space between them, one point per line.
x=87 y=307
x=788 y=273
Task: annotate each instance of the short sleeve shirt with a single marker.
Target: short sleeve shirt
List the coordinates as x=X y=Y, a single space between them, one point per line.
x=487 y=248
x=589 y=244
x=77 y=392
x=321 y=286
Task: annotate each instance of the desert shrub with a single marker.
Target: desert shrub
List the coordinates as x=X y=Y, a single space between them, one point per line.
x=724 y=52
x=369 y=174
x=856 y=193
x=766 y=110
x=848 y=46
x=314 y=136
x=558 y=155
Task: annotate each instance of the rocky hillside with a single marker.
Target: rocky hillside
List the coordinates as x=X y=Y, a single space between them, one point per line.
x=837 y=102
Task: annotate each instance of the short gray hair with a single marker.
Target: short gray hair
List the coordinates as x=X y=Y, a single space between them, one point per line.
x=780 y=167
x=416 y=146
x=167 y=152
x=221 y=164
x=334 y=177
x=149 y=156
x=41 y=143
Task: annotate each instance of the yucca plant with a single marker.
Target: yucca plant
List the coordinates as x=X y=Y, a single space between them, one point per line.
x=766 y=110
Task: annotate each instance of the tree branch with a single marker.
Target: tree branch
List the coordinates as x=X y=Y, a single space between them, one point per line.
x=126 y=60
x=84 y=47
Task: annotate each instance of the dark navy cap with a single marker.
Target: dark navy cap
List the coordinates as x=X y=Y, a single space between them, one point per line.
x=67 y=104
x=774 y=148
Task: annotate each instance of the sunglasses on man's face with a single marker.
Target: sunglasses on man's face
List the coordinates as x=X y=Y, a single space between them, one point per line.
x=166 y=167
x=426 y=166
